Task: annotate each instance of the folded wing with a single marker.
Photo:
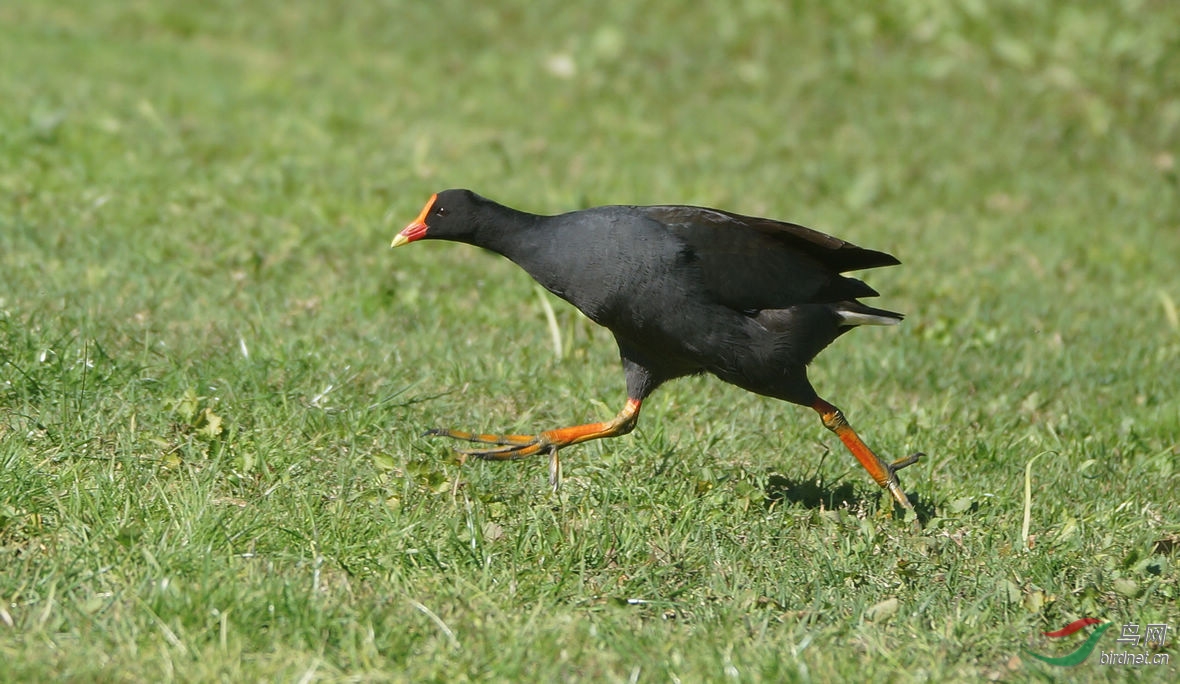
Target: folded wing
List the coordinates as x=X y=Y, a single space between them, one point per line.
x=751 y=263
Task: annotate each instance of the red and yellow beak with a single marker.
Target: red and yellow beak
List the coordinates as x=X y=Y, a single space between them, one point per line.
x=415 y=230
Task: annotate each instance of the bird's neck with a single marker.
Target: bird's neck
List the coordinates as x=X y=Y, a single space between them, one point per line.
x=567 y=254
x=514 y=234
x=526 y=239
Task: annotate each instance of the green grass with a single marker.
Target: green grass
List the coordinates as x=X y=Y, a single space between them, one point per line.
x=214 y=375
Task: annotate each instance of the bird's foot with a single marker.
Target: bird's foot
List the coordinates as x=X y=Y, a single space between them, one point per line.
x=508 y=448
x=894 y=487
x=905 y=461
x=512 y=447
x=505 y=447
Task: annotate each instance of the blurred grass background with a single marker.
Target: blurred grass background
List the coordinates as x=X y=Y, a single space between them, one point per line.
x=214 y=375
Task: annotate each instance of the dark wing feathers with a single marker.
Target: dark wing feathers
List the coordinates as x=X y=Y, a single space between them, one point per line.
x=752 y=263
x=833 y=252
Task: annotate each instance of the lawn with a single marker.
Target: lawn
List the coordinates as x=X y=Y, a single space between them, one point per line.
x=215 y=375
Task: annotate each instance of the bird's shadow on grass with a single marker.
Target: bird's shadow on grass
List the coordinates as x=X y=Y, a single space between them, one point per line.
x=815 y=493
x=812 y=493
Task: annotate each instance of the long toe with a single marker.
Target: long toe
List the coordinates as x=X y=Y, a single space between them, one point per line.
x=904 y=501
x=481 y=438
x=906 y=461
x=509 y=452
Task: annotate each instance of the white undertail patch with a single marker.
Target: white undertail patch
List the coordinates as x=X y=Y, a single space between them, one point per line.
x=853 y=318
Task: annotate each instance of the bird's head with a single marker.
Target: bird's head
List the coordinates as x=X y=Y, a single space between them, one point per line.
x=448 y=215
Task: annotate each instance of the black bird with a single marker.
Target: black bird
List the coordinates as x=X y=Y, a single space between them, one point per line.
x=685 y=290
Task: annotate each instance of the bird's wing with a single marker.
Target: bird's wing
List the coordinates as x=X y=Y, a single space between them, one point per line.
x=752 y=263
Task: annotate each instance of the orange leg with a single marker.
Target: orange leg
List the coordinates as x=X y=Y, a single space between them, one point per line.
x=512 y=447
x=884 y=473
